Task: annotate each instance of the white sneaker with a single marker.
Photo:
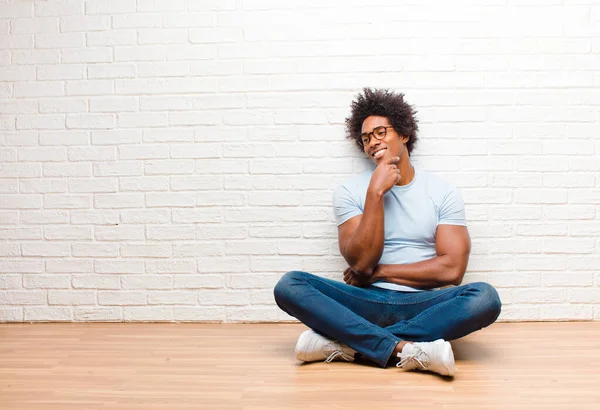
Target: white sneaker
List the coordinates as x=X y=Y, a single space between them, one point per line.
x=312 y=347
x=431 y=356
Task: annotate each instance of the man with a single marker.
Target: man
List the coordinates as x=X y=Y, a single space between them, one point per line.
x=402 y=232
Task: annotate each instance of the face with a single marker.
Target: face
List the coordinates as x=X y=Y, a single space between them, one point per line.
x=392 y=145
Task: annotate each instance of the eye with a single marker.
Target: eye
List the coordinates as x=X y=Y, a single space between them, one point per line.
x=365 y=140
x=380 y=131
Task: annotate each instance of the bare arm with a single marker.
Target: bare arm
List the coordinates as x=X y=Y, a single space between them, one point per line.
x=452 y=245
x=361 y=238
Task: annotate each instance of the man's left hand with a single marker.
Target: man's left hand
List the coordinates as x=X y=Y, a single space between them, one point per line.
x=354 y=279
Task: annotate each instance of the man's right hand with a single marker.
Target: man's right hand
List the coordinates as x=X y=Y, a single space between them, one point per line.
x=385 y=176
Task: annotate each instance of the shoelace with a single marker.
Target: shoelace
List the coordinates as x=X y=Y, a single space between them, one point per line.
x=335 y=353
x=418 y=358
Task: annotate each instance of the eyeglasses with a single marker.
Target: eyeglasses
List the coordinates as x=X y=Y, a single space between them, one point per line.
x=378 y=132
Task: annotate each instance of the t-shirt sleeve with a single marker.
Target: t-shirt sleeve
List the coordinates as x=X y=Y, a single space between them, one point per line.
x=452 y=209
x=345 y=206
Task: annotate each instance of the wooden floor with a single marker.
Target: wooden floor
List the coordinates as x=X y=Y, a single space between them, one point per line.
x=252 y=366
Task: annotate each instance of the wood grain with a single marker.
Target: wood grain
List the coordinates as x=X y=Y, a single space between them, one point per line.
x=252 y=366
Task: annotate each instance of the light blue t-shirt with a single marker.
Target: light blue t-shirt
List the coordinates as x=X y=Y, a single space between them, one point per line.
x=411 y=215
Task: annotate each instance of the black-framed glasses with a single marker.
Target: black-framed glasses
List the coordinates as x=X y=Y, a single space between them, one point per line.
x=378 y=133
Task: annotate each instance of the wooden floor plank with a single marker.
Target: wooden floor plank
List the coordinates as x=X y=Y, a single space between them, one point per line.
x=252 y=366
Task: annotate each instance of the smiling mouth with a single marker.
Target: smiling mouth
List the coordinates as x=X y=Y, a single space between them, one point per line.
x=378 y=154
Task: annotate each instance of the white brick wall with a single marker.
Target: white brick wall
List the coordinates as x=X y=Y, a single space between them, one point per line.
x=170 y=160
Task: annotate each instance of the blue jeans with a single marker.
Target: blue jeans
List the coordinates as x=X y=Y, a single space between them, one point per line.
x=373 y=320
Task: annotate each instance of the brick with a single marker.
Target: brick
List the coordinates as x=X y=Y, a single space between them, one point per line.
x=61 y=40
x=22 y=297
x=68 y=266
x=162 y=5
x=86 y=55
x=203 y=215
x=9 y=249
x=180 y=297
x=89 y=87
x=146 y=250
x=116 y=137
x=84 y=23
x=20 y=170
x=25 y=57
x=170 y=135
x=97 y=314
x=220 y=199
x=139 y=53
x=137 y=120
x=114 y=37
x=10 y=281
x=48 y=314
x=214 y=297
x=565 y=312
x=280 y=198
x=45 y=249
x=46 y=281
x=144 y=184
x=103 y=282
x=145 y=216
x=119 y=200
x=171 y=266
x=143 y=151
x=202 y=314
x=189 y=250
x=231 y=264
x=114 y=105
x=119 y=233
x=9 y=186
x=172 y=199
x=252 y=314
x=95 y=217
x=67 y=233
x=147 y=282
x=95 y=250
x=62 y=105
x=148 y=314
x=42 y=154
x=251 y=247
x=64 y=137
x=52 y=201
x=59 y=8
x=17 y=74
x=138 y=20
x=13 y=201
x=104 y=71
x=570 y=279
x=94 y=185
x=286 y=231
x=119 y=266
x=121 y=298
x=163 y=36
x=166 y=233
x=91 y=121
x=92 y=154
x=12 y=314
x=118 y=169
x=203 y=281
x=40 y=122
x=110 y=6
x=196 y=183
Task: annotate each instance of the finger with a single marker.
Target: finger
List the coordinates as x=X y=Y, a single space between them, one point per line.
x=393 y=160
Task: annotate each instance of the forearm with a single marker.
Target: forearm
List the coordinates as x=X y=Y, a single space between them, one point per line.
x=431 y=273
x=365 y=247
